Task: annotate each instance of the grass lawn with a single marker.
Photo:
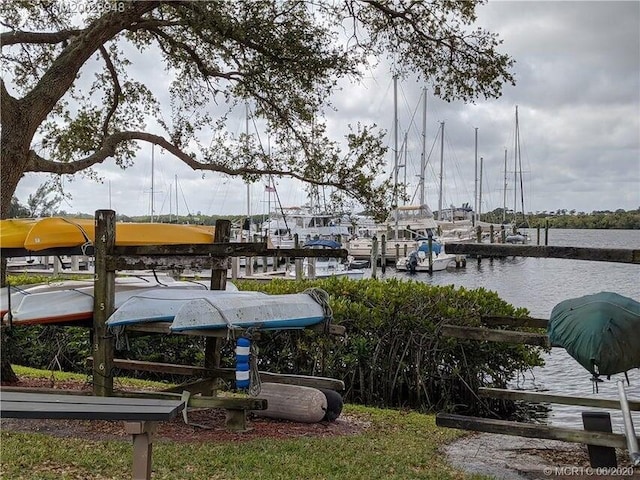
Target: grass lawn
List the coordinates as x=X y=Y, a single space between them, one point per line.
x=397 y=445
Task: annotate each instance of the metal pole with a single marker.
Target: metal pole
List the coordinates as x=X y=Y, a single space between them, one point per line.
x=629 y=431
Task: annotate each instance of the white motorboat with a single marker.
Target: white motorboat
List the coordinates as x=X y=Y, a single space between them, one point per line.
x=320 y=267
x=419 y=260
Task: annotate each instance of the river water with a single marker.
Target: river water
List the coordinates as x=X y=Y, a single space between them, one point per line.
x=538 y=284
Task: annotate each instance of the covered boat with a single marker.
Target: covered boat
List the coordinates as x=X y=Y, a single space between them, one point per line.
x=600 y=331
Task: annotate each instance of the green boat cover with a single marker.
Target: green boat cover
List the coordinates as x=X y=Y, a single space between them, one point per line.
x=601 y=331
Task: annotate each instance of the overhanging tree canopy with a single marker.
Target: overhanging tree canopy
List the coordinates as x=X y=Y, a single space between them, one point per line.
x=72 y=94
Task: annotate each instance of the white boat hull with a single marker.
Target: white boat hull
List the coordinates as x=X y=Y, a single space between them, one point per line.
x=215 y=310
x=439 y=263
x=72 y=301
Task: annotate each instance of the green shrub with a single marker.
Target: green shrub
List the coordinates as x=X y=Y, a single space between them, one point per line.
x=393 y=354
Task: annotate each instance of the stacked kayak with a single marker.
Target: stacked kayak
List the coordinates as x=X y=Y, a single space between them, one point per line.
x=214 y=310
x=72 y=300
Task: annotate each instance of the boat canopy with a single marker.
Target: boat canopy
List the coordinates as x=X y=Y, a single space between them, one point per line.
x=322 y=243
x=600 y=331
x=37 y=235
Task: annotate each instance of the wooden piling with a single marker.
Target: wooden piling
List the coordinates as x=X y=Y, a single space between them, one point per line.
x=212 y=346
x=546 y=232
x=374 y=257
x=298 y=261
x=383 y=262
x=104 y=294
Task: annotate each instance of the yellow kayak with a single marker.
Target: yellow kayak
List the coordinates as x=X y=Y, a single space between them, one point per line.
x=57 y=232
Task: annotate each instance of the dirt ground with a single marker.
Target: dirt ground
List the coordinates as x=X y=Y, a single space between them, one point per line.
x=205 y=425
x=518 y=458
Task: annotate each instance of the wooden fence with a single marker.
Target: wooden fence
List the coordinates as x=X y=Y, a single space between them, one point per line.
x=592 y=438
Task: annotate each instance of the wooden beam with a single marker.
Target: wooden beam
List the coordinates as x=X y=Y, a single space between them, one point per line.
x=619 y=255
x=499 y=321
x=530 y=430
x=504 y=394
x=485 y=334
x=167 y=262
x=158 y=367
x=164 y=328
x=225 y=249
x=303 y=381
x=227 y=373
x=221 y=249
x=203 y=386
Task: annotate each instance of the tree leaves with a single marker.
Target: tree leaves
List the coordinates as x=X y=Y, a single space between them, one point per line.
x=209 y=59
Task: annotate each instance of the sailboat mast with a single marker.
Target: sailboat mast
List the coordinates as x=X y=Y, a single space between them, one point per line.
x=404 y=166
x=515 y=172
x=395 y=151
x=480 y=192
x=441 y=170
x=423 y=158
x=504 y=200
x=152 y=178
x=176 y=198
x=248 y=185
x=475 y=195
x=524 y=218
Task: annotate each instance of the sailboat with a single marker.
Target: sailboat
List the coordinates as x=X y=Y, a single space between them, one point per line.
x=516 y=236
x=430 y=255
x=406 y=225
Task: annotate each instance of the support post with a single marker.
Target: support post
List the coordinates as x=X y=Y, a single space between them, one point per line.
x=104 y=297
x=383 y=254
x=142 y=433
x=298 y=261
x=374 y=257
x=599 y=456
x=546 y=232
x=222 y=234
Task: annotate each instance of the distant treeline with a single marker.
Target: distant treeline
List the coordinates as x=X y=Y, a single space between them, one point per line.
x=605 y=219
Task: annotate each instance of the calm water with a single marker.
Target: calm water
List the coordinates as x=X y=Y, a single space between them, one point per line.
x=538 y=284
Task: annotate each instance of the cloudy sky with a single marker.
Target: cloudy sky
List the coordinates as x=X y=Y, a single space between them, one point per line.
x=578 y=96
